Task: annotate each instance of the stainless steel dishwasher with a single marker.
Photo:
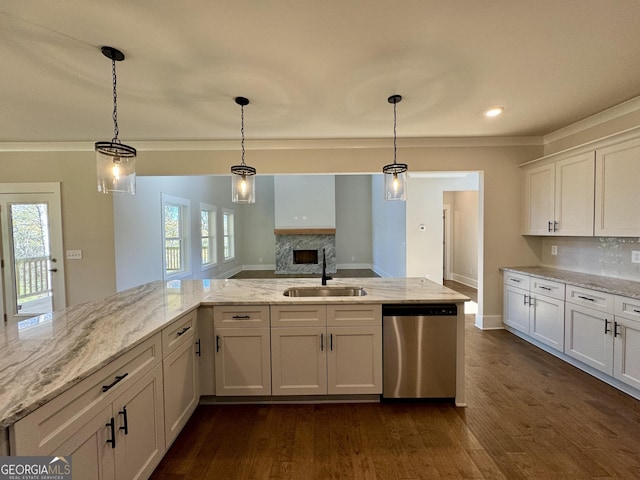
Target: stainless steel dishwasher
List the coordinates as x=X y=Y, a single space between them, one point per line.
x=419 y=355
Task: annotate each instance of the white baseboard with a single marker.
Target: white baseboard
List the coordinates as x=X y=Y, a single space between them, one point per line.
x=354 y=266
x=229 y=273
x=381 y=272
x=469 y=282
x=260 y=266
x=489 y=322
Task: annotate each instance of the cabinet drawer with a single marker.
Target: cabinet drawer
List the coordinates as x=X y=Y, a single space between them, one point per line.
x=586 y=297
x=627 y=307
x=354 y=315
x=547 y=287
x=240 y=316
x=298 y=315
x=41 y=432
x=516 y=280
x=180 y=331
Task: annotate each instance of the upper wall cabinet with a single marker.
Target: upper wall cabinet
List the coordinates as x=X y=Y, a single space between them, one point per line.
x=559 y=197
x=617 y=202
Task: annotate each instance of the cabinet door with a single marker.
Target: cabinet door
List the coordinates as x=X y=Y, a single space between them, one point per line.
x=547 y=320
x=617 y=200
x=354 y=360
x=575 y=184
x=139 y=414
x=626 y=347
x=516 y=308
x=92 y=456
x=588 y=337
x=243 y=364
x=206 y=349
x=538 y=200
x=180 y=389
x=299 y=361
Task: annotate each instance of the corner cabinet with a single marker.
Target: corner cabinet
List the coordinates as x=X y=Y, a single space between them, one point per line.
x=617 y=203
x=242 y=350
x=558 y=197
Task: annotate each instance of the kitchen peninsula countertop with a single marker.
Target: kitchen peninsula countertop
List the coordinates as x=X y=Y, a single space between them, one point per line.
x=46 y=355
x=615 y=286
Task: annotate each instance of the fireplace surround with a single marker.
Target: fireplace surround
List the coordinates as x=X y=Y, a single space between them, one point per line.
x=311 y=244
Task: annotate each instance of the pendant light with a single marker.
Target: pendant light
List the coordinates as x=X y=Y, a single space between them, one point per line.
x=243 y=180
x=115 y=161
x=395 y=174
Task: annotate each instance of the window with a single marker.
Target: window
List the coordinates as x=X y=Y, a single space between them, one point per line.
x=208 y=216
x=228 y=235
x=175 y=222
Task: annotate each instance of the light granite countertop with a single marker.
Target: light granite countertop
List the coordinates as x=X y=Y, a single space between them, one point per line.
x=615 y=286
x=46 y=355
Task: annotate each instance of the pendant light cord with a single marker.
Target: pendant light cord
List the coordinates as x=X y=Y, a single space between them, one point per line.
x=115 y=103
x=394 y=132
x=242 y=131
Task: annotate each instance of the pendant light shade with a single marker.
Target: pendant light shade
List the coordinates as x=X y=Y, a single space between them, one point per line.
x=243 y=177
x=115 y=161
x=395 y=174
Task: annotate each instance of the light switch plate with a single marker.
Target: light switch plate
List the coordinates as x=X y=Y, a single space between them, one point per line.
x=74 y=254
x=635 y=256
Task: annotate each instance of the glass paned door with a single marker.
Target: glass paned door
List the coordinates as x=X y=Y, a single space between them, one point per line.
x=33 y=276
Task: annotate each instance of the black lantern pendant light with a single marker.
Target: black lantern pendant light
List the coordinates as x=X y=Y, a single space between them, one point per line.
x=116 y=162
x=395 y=174
x=243 y=185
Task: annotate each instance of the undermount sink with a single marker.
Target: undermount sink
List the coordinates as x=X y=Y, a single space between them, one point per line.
x=325 y=291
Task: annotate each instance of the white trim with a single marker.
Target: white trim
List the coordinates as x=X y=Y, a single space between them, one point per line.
x=353 y=266
x=599 y=118
x=212 y=225
x=489 y=322
x=448 y=248
x=469 y=282
x=290 y=144
x=232 y=213
x=380 y=272
x=261 y=266
x=228 y=273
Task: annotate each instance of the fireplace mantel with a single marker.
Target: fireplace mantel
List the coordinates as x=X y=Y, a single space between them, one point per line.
x=305 y=231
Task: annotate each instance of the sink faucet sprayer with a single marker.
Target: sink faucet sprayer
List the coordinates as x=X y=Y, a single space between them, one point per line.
x=325 y=277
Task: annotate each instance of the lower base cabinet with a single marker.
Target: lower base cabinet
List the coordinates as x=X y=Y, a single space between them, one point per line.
x=587 y=337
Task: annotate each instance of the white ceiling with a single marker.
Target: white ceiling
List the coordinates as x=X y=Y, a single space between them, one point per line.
x=311 y=68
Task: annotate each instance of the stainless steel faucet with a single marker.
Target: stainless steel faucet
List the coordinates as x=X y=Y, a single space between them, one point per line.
x=325 y=277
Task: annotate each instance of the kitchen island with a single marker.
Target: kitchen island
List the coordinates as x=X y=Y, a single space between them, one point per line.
x=44 y=357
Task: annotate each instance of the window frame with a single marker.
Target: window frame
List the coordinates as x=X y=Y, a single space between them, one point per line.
x=213 y=236
x=184 y=238
x=225 y=214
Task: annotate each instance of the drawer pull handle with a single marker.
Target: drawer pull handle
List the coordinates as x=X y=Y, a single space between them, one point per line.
x=112 y=425
x=525 y=300
x=545 y=288
x=549 y=226
x=241 y=317
x=331 y=341
x=636 y=310
x=198 y=352
x=606 y=326
x=586 y=298
x=515 y=280
x=555 y=226
x=616 y=332
x=125 y=422
x=119 y=378
x=183 y=331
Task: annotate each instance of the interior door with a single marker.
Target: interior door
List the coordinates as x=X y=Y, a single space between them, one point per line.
x=31 y=239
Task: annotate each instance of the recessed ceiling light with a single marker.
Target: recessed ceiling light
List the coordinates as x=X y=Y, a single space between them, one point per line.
x=493 y=111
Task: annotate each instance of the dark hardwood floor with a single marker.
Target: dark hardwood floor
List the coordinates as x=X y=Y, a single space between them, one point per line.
x=529 y=416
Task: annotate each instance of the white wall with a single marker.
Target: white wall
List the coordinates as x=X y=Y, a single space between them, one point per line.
x=424 y=207
x=465 y=237
x=388 y=227
x=138 y=227
x=305 y=201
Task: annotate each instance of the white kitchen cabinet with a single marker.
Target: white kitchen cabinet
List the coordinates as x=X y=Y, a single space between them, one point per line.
x=121 y=439
x=205 y=349
x=558 y=197
x=243 y=352
x=181 y=392
x=617 y=203
x=326 y=349
x=535 y=307
x=626 y=343
x=588 y=328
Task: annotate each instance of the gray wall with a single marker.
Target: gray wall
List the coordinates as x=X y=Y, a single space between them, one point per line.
x=389 y=227
x=353 y=221
x=258 y=245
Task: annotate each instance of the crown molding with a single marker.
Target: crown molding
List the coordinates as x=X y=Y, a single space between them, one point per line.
x=612 y=113
x=292 y=144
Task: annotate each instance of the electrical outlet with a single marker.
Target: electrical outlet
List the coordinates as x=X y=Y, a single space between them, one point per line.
x=74 y=254
x=554 y=249
x=635 y=256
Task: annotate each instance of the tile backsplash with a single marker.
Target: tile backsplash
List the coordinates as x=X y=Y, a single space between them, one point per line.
x=606 y=256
